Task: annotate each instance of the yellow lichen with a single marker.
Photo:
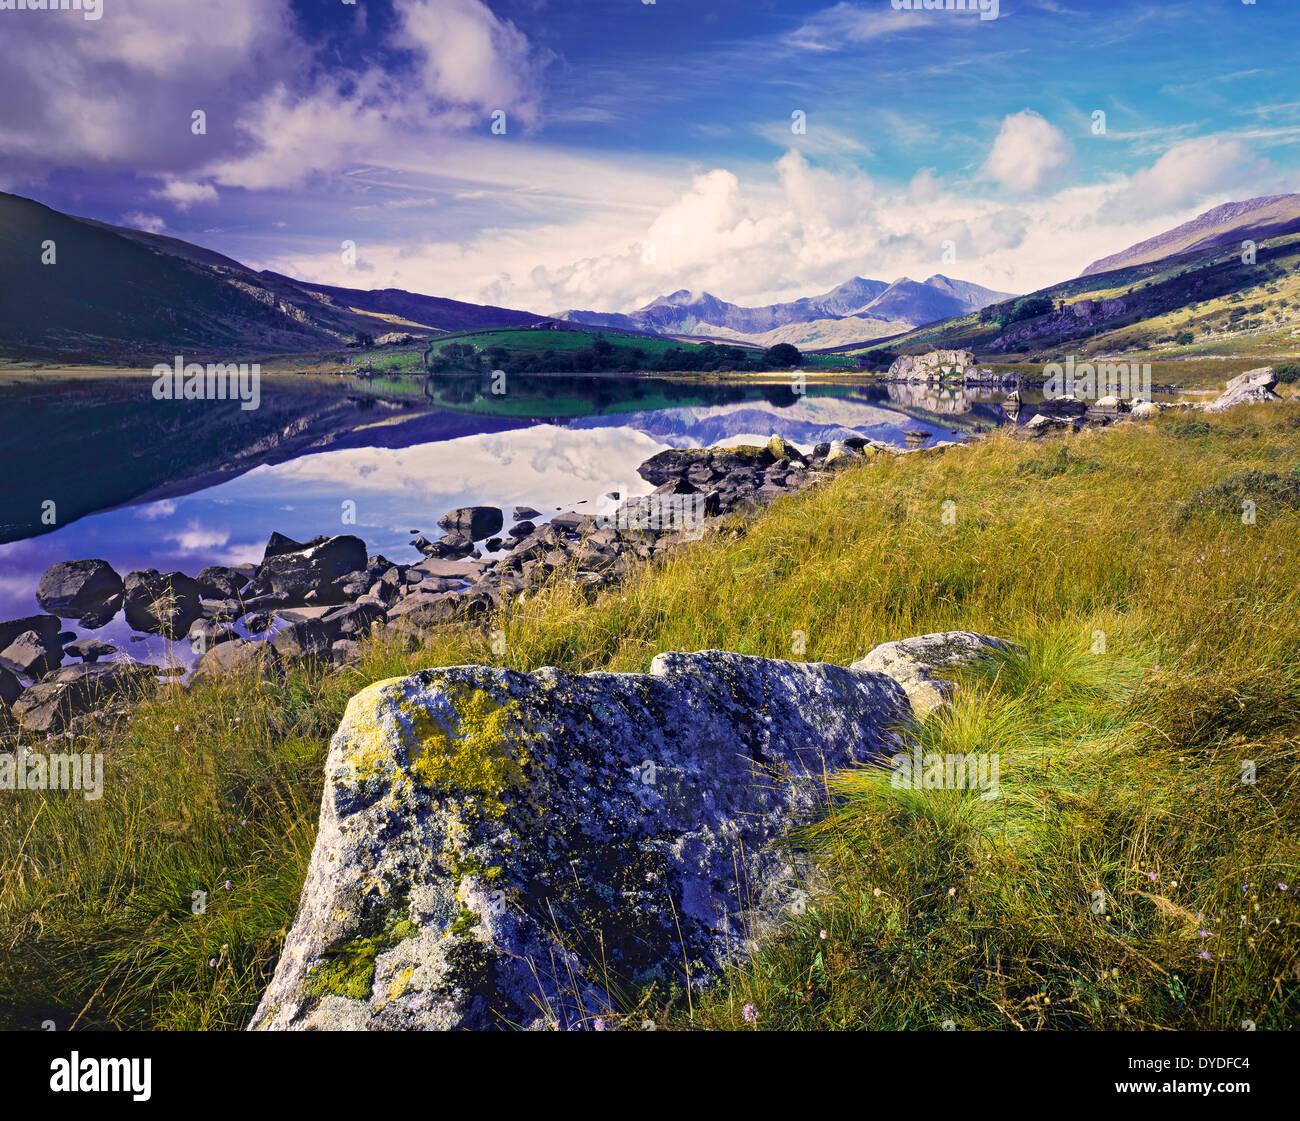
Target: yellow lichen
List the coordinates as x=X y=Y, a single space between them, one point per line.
x=483 y=756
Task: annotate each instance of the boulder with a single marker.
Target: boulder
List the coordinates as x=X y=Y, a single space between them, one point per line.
x=10 y=687
x=1248 y=388
x=158 y=603
x=915 y=663
x=32 y=654
x=474 y=522
x=309 y=639
x=452 y=547
x=238 y=658
x=294 y=575
x=87 y=590
x=221 y=583
x=51 y=704
x=47 y=626
x=932 y=366
x=1144 y=410
x=525 y=513
x=495 y=847
x=840 y=452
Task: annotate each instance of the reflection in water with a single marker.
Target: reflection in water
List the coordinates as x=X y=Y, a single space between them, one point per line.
x=401 y=475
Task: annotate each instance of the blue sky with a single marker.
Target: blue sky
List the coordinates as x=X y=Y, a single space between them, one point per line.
x=649 y=147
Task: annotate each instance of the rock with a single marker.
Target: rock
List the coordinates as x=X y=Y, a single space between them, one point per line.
x=31 y=654
x=479 y=824
x=346 y=652
x=1144 y=410
x=783 y=450
x=1041 y=425
x=353 y=620
x=257 y=621
x=670 y=464
x=474 y=522
x=238 y=658
x=220 y=582
x=87 y=590
x=1248 y=388
x=394 y=338
x=933 y=366
x=315 y=569
x=523 y=529
x=47 y=626
x=572 y=522
x=77 y=690
x=451 y=547
x=424 y=609
x=89 y=649
x=840 y=452
x=526 y=513
x=279 y=545
x=161 y=604
x=10 y=687
x=913 y=662
x=206 y=634
x=311 y=638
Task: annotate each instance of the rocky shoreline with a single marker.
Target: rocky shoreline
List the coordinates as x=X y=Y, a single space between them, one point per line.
x=315 y=600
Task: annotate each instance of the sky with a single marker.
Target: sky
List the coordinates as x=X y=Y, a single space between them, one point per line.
x=596 y=154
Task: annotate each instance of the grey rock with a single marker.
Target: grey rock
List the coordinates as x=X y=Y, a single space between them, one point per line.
x=158 y=603
x=237 y=659
x=89 y=649
x=87 y=590
x=916 y=662
x=77 y=690
x=474 y=522
x=312 y=571
x=31 y=654
x=526 y=513
x=640 y=816
x=1248 y=388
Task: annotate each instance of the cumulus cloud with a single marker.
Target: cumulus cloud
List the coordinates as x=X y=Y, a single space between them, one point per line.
x=1188 y=173
x=183 y=195
x=1029 y=154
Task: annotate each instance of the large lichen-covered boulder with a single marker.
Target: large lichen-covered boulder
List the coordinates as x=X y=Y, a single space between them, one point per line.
x=499 y=849
x=931 y=366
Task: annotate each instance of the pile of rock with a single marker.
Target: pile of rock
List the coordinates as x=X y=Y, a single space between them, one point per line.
x=327 y=593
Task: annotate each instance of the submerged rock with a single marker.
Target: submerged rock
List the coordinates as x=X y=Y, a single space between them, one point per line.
x=493 y=844
x=473 y=522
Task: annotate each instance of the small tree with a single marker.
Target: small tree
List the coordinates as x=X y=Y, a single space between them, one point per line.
x=783 y=354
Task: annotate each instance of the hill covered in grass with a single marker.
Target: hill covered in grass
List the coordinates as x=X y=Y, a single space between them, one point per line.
x=1125 y=877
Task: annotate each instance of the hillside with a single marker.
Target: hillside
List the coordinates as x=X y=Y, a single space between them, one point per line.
x=1196 y=303
x=1227 y=225
x=116 y=294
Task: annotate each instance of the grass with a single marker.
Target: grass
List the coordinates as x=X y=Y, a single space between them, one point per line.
x=1125 y=876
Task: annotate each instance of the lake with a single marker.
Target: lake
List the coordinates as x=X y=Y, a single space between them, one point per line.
x=181 y=485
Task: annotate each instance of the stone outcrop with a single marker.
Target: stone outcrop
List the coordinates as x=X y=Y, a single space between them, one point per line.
x=496 y=847
x=933 y=366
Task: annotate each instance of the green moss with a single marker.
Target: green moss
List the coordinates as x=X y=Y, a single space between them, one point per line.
x=347 y=968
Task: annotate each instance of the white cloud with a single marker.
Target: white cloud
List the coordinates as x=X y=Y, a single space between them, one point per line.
x=150 y=223
x=1029 y=154
x=183 y=195
x=1189 y=172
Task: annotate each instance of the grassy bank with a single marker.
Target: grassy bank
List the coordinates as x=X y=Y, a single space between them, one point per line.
x=1124 y=877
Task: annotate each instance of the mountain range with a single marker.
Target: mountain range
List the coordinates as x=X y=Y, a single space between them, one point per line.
x=857 y=310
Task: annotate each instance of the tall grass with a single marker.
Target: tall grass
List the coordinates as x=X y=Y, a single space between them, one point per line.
x=1125 y=876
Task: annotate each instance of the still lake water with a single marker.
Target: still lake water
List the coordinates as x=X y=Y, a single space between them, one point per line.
x=398 y=466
